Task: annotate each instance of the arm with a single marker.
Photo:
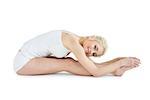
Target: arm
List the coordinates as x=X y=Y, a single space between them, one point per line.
x=111 y=61
x=78 y=51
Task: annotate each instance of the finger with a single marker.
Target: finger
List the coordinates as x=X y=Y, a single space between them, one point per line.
x=136 y=65
x=137 y=59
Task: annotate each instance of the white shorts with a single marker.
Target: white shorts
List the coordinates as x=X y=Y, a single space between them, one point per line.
x=20 y=60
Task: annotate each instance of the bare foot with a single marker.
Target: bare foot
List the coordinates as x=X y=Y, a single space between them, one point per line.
x=129 y=63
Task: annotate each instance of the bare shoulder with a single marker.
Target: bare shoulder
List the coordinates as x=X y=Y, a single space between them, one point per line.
x=69 y=39
x=71 y=42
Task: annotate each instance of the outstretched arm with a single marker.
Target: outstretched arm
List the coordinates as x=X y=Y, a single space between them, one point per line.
x=110 y=61
x=92 y=68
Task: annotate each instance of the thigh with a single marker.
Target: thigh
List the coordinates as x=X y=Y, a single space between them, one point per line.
x=44 y=66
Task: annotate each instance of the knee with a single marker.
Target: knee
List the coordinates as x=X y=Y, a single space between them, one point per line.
x=20 y=73
x=23 y=71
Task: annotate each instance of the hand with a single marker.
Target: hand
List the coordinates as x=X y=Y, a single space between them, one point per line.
x=130 y=62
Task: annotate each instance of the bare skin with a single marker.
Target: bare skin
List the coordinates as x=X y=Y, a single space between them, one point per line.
x=83 y=66
x=132 y=63
x=38 y=66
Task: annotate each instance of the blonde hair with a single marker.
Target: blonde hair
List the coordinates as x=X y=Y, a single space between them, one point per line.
x=102 y=41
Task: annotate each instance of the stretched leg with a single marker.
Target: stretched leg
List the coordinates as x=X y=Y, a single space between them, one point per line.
x=53 y=65
x=38 y=66
x=77 y=68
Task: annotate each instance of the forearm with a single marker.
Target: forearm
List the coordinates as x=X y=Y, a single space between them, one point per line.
x=108 y=68
x=108 y=62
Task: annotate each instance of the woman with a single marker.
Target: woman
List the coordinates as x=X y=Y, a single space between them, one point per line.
x=47 y=53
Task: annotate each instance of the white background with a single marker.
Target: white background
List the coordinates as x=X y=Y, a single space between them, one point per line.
x=124 y=23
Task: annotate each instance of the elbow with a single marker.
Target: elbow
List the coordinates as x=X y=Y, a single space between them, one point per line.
x=96 y=74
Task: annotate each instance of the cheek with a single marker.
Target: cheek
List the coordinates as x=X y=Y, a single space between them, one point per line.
x=85 y=48
x=87 y=45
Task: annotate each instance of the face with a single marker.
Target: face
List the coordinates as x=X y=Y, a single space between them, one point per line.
x=92 y=47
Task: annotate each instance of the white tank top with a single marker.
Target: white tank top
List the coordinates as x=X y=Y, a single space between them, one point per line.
x=45 y=45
